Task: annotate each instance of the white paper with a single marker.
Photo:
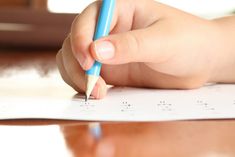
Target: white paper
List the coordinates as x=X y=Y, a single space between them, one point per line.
x=121 y=104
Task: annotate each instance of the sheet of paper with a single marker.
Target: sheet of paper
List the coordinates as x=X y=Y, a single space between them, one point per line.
x=51 y=100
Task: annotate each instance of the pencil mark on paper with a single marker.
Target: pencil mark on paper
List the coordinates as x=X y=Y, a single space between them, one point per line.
x=87 y=107
x=127 y=107
x=165 y=106
x=205 y=105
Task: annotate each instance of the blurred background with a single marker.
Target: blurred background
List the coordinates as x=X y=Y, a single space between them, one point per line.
x=204 y=8
x=45 y=23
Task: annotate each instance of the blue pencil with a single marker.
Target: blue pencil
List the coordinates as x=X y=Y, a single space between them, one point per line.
x=102 y=30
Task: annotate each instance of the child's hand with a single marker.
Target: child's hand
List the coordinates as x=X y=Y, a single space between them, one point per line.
x=151 y=45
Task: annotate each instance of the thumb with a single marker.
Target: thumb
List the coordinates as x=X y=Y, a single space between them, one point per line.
x=132 y=46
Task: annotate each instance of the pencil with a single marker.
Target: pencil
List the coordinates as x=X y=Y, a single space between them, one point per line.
x=102 y=30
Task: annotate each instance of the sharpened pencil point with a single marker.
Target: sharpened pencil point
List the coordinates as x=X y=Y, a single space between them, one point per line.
x=91 y=82
x=86 y=98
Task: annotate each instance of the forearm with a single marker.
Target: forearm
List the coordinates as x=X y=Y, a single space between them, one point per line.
x=225 y=68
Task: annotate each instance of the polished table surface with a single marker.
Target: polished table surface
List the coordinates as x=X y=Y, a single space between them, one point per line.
x=27 y=138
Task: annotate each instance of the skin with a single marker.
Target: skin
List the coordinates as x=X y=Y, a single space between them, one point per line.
x=150 y=45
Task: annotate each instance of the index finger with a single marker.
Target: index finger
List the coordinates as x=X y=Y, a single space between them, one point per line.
x=82 y=32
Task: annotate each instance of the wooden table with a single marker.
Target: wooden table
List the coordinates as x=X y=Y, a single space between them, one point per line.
x=27 y=138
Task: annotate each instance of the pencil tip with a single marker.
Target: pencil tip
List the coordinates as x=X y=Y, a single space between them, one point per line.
x=91 y=82
x=86 y=98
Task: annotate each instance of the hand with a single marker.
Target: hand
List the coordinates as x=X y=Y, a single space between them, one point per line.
x=151 y=45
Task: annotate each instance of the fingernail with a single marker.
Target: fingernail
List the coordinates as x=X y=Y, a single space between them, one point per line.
x=105 y=149
x=84 y=63
x=104 y=50
x=81 y=59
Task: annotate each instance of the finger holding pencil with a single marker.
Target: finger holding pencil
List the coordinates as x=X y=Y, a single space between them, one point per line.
x=150 y=46
x=102 y=30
